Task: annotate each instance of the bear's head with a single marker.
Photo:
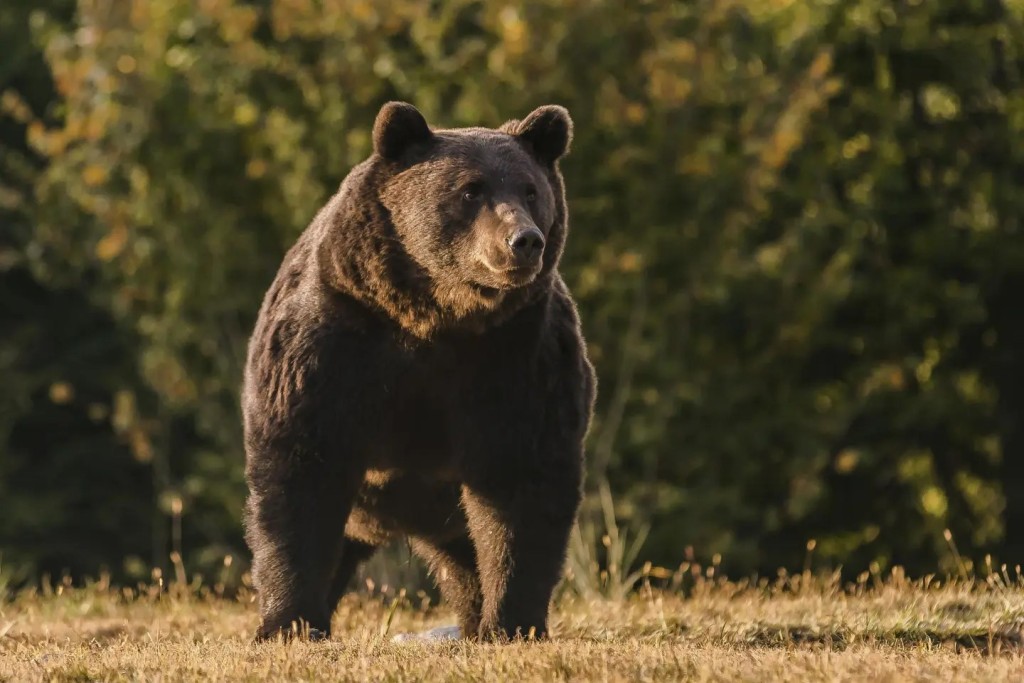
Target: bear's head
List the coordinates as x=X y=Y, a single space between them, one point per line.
x=480 y=213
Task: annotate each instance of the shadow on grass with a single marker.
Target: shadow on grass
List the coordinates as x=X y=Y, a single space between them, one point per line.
x=999 y=641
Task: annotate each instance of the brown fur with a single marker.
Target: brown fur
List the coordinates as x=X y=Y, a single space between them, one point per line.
x=417 y=370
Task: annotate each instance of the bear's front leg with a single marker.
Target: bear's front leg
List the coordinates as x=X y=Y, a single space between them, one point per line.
x=520 y=524
x=295 y=522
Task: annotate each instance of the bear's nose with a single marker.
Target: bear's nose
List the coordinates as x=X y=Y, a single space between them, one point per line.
x=526 y=242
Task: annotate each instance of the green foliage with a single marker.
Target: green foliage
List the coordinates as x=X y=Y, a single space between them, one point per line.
x=795 y=241
x=72 y=496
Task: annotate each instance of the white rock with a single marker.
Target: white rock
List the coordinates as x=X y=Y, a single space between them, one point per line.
x=439 y=634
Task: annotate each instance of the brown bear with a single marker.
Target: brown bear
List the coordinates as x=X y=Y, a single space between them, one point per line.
x=417 y=370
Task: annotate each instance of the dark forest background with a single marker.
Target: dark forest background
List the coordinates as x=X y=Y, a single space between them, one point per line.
x=797 y=246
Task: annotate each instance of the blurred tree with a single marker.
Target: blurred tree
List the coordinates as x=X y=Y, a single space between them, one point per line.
x=73 y=498
x=795 y=239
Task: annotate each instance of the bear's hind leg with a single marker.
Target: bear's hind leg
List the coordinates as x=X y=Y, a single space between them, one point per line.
x=453 y=565
x=353 y=554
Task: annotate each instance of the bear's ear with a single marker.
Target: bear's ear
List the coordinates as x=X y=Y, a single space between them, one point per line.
x=546 y=130
x=399 y=126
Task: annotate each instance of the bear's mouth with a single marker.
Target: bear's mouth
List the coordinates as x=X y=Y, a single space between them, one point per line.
x=514 y=278
x=510 y=278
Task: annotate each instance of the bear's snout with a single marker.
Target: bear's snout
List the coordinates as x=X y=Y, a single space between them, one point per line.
x=527 y=245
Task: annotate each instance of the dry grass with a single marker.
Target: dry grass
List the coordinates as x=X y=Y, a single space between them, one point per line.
x=797 y=629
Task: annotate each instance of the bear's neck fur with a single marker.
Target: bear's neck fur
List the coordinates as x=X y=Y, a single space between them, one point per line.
x=360 y=255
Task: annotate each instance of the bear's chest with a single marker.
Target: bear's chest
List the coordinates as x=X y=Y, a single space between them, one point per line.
x=419 y=394
x=430 y=407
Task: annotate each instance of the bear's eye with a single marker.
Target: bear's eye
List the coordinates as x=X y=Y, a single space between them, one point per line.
x=472 y=193
x=531 y=194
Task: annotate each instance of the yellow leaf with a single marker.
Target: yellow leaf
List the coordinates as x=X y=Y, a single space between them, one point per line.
x=363 y=11
x=821 y=65
x=94 y=175
x=245 y=113
x=61 y=393
x=847 y=461
x=636 y=113
x=112 y=244
x=256 y=168
x=126 y=64
x=934 y=502
x=630 y=262
x=142 y=449
x=36 y=133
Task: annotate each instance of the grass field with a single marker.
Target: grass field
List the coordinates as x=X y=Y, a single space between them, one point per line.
x=796 y=629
